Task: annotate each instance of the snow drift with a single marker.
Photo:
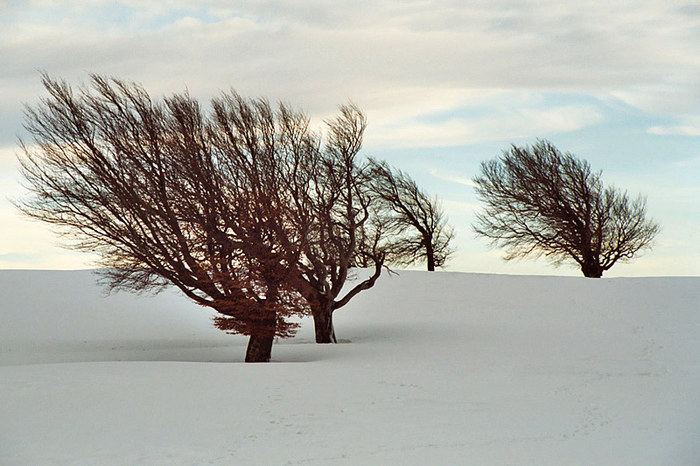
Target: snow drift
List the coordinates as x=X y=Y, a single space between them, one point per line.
x=440 y=368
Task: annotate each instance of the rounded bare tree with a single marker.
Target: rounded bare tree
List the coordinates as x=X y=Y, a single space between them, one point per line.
x=542 y=202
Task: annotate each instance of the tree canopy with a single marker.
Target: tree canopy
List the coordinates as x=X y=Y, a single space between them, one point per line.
x=415 y=220
x=243 y=207
x=542 y=202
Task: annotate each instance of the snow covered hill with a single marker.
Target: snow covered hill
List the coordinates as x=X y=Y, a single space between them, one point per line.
x=441 y=368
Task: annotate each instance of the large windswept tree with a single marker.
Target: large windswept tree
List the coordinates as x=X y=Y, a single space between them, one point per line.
x=243 y=209
x=542 y=202
x=414 y=219
x=144 y=185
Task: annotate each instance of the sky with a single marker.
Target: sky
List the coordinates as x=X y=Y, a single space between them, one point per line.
x=445 y=85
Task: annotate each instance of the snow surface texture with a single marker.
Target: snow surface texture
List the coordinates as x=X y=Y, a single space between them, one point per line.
x=441 y=368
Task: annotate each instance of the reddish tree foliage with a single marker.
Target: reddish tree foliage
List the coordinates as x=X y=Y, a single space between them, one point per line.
x=345 y=230
x=244 y=209
x=150 y=187
x=322 y=190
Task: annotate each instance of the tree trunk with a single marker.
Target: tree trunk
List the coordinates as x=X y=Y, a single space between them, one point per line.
x=431 y=262
x=430 y=255
x=259 y=347
x=323 y=323
x=261 y=338
x=592 y=270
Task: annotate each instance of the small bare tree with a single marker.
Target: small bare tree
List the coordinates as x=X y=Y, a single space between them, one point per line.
x=326 y=206
x=416 y=221
x=146 y=186
x=343 y=225
x=542 y=202
x=326 y=210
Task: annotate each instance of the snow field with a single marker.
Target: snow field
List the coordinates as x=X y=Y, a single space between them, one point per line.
x=440 y=368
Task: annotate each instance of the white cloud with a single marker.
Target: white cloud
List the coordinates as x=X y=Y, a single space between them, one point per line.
x=678 y=130
x=8 y=161
x=688 y=126
x=319 y=53
x=26 y=243
x=453 y=178
x=692 y=162
x=497 y=124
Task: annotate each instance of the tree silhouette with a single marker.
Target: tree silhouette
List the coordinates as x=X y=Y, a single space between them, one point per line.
x=244 y=209
x=345 y=229
x=145 y=186
x=541 y=202
x=327 y=212
x=416 y=221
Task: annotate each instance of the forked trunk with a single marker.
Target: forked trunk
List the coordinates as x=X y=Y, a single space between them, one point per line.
x=323 y=323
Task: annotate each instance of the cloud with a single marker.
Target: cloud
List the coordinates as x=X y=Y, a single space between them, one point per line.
x=688 y=126
x=493 y=122
x=428 y=74
x=26 y=243
x=8 y=160
x=321 y=54
x=691 y=162
x=453 y=179
x=678 y=130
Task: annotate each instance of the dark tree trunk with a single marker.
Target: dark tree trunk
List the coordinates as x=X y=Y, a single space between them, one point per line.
x=259 y=347
x=430 y=254
x=431 y=261
x=323 y=323
x=260 y=343
x=592 y=270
